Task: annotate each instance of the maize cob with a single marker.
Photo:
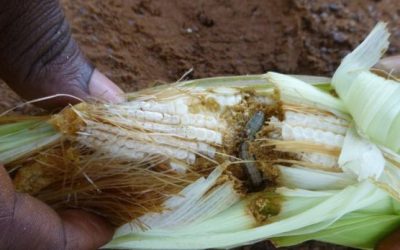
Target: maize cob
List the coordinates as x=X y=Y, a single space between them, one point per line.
x=189 y=132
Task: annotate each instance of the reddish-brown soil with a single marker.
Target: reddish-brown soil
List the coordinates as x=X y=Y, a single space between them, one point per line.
x=138 y=43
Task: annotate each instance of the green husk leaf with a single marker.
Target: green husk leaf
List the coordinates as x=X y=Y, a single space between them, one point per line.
x=366 y=55
x=14 y=127
x=357 y=230
x=295 y=91
x=373 y=101
x=312 y=179
x=21 y=139
x=303 y=212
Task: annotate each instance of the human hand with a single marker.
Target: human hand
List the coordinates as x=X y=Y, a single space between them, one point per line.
x=27 y=223
x=39 y=58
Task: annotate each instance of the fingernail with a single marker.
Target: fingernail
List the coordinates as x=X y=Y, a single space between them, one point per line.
x=100 y=87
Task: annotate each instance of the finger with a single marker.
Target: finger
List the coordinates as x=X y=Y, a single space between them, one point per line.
x=27 y=223
x=7 y=201
x=33 y=225
x=84 y=230
x=391 y=243
x=390 y=65
x=7 y=195
x=102 y=88
x=98 y=88
x=48 y=62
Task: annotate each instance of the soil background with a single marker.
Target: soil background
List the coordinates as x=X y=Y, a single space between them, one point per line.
x=139 y=43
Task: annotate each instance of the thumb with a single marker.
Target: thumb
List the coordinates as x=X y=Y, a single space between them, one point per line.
x=39 y=57
x=98 y=88
x=27 y=223
x=66 y=91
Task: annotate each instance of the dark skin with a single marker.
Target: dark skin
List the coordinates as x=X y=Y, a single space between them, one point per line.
x=27 y=223
x=38 y=57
